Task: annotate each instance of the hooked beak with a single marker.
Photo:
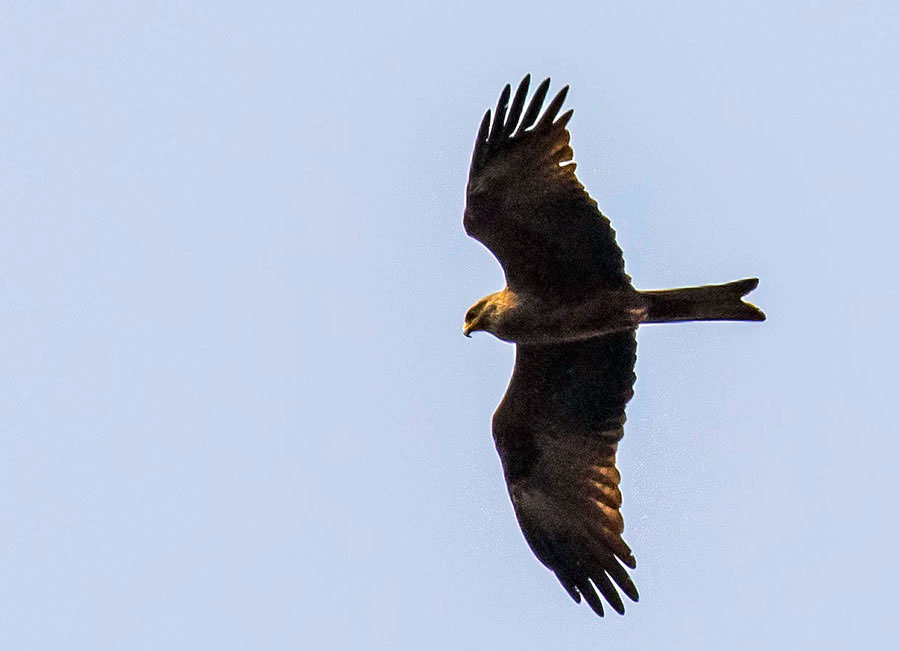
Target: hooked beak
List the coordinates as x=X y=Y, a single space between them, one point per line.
x=467 y=329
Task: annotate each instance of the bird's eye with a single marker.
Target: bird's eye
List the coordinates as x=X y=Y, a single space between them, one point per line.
x=470 y=315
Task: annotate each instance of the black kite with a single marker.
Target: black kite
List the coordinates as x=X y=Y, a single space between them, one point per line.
x=572 y=312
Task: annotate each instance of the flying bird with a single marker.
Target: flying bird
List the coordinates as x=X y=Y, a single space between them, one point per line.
x=572 y=312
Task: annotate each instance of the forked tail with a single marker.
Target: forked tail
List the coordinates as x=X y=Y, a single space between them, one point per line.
x=707 y=303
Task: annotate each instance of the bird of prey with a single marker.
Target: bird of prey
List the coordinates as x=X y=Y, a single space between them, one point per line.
x=572 y=312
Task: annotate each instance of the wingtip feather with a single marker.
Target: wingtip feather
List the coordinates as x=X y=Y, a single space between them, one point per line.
x=553 y=108
x=515 y=110
x=608 y=590
x=500 y=114
x=571 y=589
x=590 y=596
x=563 y=119
x=534 y=107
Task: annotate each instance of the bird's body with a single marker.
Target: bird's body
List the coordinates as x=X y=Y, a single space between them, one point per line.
x=523 y=319
x=572 y=312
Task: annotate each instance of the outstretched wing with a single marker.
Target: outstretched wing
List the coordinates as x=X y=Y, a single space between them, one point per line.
x=524 y=202
x=557 y=430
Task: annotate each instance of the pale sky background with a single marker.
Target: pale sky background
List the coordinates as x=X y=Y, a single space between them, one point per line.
x=237 y=409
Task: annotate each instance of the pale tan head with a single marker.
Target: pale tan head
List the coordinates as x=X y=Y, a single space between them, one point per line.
x=483 y=315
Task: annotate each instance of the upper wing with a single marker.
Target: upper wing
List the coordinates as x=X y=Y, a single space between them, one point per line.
x=557 y=430
x=528 y=207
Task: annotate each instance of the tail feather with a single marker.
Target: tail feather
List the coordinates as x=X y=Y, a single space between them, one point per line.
x=706 y=303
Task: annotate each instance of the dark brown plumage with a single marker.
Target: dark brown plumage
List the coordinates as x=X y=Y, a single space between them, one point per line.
x=572 y=311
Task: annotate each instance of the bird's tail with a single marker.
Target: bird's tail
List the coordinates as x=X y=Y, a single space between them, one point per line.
x=707 y=303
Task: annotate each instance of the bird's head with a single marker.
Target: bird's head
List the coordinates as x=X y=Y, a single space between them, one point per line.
x=481 y=316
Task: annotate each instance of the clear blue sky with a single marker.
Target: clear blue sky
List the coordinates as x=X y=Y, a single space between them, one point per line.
x=236 y=407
